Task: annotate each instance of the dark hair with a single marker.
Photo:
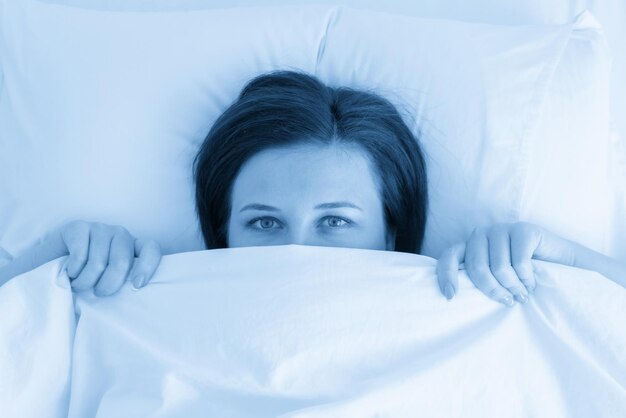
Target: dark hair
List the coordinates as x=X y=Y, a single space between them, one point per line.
x=284 y=108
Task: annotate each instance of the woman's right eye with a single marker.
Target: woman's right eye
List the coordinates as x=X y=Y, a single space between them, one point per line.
x=264 y=223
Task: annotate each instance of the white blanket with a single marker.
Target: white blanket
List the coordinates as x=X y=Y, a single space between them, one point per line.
x=310 y=332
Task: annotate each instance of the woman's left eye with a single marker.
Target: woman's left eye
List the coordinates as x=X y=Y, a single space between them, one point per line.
x=335 y=222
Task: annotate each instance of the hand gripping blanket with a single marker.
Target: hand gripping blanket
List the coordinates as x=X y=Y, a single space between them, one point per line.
x=310 y=332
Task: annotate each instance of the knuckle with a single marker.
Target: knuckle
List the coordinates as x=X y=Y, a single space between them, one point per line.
x=82 y=282
x=524 y=230
x=76 y=224
x=445 y=261
x=105 y=288
x=445 y=272
x=483 y=271
x=478 y=232
x=76 y=285
x=153 y=246
x=518 y=228
x=499 y=228
x=447 y=253
x=120 y=230
x=79 y=257
x=479 y=276
x=520 y=266
x=472 y=255
x=74 y=229
x=120 y=266
x=96 y=265
x=452 y=253
x=102 y=227
x=501 y=270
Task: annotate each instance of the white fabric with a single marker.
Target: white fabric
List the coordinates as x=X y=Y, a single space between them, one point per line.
x=101 y=111
x=311 y=332
x=5 y=257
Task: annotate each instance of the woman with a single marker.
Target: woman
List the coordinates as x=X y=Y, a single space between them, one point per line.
x=293 y=161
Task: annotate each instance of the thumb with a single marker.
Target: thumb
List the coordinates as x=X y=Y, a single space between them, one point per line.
x=448 y=269
x=551 y=247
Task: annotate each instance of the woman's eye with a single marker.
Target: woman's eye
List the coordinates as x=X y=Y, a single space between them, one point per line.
x=264 y=223
x=335 y=222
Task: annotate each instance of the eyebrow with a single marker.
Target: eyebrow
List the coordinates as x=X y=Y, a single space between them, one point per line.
x=258 y=206
x=329 y=205
x=335 y=205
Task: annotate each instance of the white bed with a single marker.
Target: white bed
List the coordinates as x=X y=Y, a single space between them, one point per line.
x=102 y=107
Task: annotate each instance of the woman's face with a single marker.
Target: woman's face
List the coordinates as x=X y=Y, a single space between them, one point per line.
x=309 y=195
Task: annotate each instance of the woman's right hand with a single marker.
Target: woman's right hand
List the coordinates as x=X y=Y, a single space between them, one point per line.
x=101 y=257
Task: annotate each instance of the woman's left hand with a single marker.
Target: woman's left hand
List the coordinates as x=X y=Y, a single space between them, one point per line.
x=498 y=260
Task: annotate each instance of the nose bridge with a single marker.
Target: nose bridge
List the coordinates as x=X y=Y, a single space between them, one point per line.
x=301 y=234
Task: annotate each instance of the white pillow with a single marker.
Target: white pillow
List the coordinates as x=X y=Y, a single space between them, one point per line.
x=510 y=116
x=101 y=112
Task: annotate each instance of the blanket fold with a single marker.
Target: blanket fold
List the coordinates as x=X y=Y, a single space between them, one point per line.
x=310 y=332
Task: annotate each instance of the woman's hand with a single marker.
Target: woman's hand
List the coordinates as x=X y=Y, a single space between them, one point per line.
x=101 y=257
x=498 y=260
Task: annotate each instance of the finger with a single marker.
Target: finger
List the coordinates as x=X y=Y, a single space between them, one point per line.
x=121 y=257
x=524 y=241
x=100 y=238
x=448 y=269
x=148 y=254
x=76 y=239
x=500 y=263
x=477 y=266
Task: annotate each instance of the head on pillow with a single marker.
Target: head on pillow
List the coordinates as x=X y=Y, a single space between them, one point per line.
x=294 y=161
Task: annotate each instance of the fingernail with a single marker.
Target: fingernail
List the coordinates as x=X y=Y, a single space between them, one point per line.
x=449 y=291
x=521 y=298
x=99 y=292
x=507 y=300
x=138 y=282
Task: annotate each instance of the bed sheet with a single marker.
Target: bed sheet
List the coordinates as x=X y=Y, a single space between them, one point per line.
x=310 y=332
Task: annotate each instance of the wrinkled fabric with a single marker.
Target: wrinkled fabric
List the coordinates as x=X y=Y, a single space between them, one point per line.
x=310 y=332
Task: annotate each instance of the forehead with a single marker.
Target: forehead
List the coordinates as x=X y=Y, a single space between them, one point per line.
x=311 y=172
